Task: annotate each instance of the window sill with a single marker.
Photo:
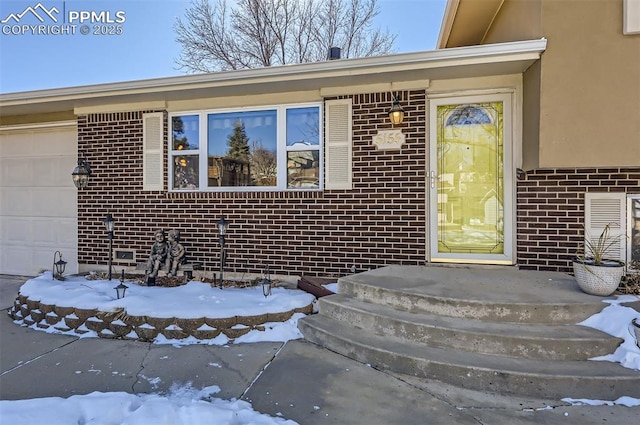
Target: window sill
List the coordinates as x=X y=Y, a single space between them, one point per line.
x=262 y=194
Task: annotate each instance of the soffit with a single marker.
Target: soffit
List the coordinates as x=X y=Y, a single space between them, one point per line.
x=466 y=22
x=464 y=62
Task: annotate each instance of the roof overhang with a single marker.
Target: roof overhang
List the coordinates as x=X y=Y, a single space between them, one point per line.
x=464 y=62
x=466 y=22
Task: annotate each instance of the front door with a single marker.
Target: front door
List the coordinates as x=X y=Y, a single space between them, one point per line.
x=471 y=200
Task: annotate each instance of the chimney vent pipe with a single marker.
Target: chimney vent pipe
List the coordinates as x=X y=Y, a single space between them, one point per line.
x=334 y=53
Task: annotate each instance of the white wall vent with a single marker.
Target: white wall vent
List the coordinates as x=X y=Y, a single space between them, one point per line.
x=602 y=209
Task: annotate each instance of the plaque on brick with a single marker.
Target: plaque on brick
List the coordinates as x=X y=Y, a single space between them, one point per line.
x=389 y=139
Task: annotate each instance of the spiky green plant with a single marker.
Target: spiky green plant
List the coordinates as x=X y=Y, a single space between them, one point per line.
x=597 y=249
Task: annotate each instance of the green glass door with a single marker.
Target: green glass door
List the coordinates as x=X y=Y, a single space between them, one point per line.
x=470 y=194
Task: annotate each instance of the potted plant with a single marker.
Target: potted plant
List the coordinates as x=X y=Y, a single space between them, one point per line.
x=631 y=285
x=635 y=324
x=595 y=274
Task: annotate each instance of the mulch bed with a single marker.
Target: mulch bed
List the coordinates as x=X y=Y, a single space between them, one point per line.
x=630 y=285
x=631 y=281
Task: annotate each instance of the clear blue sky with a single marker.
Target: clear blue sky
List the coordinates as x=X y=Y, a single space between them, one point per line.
x=146 y=48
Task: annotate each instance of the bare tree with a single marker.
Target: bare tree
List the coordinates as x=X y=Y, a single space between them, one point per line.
x=259 y=33
x=264 y=163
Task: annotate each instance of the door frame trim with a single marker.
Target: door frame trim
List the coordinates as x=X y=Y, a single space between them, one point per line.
x=512 y=135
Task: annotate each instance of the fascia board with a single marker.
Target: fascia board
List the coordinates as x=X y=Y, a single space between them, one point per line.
x=483 y=54
x=448 y=17
x=43 y=126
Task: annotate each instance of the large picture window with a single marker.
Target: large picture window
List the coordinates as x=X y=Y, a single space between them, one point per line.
x=260 y=149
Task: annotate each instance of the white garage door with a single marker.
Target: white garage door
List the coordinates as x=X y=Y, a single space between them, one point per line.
x=38 y=201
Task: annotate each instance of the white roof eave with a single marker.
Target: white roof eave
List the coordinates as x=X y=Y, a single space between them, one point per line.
x=450 y=10
x=316 y=75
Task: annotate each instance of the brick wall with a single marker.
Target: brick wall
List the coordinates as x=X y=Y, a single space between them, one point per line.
x=381 y=221
x=551 y=211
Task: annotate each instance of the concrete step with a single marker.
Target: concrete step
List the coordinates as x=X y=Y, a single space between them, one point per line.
x=533 y=341
x=505 y=295
x=498 y=329
x=502 y=374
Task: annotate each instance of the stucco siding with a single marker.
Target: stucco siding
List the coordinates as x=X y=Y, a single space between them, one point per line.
x=590 y=87
x=517 y=20
x=587 y=88
x=531 y=118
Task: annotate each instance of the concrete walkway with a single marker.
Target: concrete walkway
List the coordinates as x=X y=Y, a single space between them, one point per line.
x=298 y=380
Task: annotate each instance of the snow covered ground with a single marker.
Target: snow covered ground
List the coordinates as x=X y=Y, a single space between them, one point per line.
x=616 y=320
x=186 y=405
x=183 y=405
x=197 y=299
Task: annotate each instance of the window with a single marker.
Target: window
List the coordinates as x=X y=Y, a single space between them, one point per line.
x=631 y=17
x=633 y=232
x=260 y=149
x=303 y=142
x=185 y=146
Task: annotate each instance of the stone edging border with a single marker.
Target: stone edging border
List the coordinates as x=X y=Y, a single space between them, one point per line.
x=119 y=325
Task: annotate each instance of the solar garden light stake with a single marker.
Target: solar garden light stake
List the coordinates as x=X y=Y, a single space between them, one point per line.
x=222 y=231
x=57 y=269
x=121 y=288
x=266 y=283
x=108 y=223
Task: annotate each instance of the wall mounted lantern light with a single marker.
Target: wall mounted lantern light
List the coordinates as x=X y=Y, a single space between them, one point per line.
x=396 y=113
x=108 y=224
x=81 y=173
x=222 y=232
x=121 y=288
x=58 y=266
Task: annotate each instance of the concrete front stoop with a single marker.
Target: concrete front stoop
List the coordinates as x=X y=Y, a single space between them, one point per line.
x=499 y=330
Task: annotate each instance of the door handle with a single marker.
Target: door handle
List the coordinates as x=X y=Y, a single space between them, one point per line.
x=432 y=178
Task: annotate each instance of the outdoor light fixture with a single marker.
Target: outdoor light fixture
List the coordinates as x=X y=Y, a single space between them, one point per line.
x=396 y=113
x=57 y=269
x=222 y=231
x=81 y=173
x=108 y=224
x=266 y=283
x=121 y=288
